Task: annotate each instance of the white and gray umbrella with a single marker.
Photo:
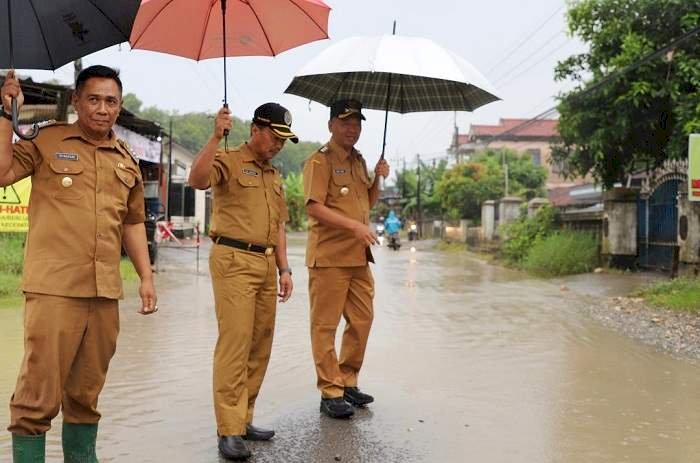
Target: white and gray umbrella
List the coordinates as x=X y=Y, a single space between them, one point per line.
x=393 y=73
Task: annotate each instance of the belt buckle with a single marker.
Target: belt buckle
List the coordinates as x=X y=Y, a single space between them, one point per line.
x=269 y=251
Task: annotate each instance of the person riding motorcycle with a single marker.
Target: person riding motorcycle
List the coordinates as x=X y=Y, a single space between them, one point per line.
x=392 y=225
x=412 y=231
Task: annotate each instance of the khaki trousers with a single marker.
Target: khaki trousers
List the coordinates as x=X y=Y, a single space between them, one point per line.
x=336 y=291
x=245 y=296
x=68 y=343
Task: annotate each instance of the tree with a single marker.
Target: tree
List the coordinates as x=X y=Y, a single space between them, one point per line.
x=466 y=186
x=643 y=115
x=294 y=193
x=132 y=103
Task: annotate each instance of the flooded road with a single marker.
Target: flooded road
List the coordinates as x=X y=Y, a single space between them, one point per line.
x=468 y=362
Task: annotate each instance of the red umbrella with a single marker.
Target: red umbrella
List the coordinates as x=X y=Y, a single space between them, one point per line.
x=196 y=29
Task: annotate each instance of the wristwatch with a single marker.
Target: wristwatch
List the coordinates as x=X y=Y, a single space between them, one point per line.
x=285 y=269
x=5 y=114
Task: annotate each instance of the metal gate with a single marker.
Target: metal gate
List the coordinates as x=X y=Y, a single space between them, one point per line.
x=657 y=227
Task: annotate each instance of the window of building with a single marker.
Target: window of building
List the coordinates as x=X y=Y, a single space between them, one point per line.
x=535 y=155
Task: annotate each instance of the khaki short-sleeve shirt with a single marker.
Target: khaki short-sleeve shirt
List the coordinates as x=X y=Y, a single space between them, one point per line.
x=339 y=180
x=82 y=194
x=248 y=199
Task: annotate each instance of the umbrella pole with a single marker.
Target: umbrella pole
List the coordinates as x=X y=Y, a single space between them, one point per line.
x=15 y=113
x=386 y=119
x=223 y=18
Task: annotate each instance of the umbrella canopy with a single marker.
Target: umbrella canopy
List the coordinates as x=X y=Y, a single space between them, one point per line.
x=415 y=74
x=46 y=34
x=194 y=28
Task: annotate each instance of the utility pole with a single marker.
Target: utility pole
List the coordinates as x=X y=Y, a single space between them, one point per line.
x=170 y=172
x=77 y=67
x=505 y=172
x=418 y=205
x=403 y=179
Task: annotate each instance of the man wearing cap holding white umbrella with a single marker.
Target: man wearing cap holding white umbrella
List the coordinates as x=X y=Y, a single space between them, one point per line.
x=249 y=213
x=339 y=194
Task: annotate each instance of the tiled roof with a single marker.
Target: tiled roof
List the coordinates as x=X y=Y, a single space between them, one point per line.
x=541 y=128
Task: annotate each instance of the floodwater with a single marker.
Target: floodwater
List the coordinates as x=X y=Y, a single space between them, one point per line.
x=468 y=362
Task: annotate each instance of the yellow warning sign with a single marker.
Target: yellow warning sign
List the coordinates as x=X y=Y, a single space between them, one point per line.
x=14 y=206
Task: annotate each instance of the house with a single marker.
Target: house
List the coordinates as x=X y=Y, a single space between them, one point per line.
x=527 y=136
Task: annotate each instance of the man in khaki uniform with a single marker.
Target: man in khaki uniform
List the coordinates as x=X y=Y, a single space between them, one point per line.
x=250 y=247
x=339 y=195
x=86 y=203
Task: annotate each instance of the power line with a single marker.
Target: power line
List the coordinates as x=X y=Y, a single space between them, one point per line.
x=514 y=78
x=544 y=45
x=532 y=34
x=608 y=78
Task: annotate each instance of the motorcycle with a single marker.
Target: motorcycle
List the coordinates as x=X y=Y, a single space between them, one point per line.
x=394 y=241
x=379 y=229
x=413 y=232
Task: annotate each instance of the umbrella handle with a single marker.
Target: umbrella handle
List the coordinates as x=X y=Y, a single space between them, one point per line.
x=31 y=135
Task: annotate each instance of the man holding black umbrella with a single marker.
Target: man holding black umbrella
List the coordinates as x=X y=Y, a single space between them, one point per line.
x=339 y=194
x=86 y=203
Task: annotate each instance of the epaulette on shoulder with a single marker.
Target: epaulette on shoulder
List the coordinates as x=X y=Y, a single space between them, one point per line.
x=128 y=149
x=324 y=149
x=50 y=123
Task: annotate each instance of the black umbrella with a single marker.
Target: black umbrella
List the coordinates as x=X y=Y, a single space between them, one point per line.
x=46 y=34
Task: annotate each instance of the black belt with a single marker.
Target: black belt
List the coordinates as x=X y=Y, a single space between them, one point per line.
x=245 y=246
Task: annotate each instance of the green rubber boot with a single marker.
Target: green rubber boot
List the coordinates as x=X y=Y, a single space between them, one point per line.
x=79 y=443
x=28 y=449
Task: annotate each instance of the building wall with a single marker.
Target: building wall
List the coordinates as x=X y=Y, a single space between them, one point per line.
x=553 y=178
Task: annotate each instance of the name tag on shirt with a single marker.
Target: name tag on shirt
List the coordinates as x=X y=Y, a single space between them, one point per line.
x=250 y=172
x=67 y=156
x=340 y=171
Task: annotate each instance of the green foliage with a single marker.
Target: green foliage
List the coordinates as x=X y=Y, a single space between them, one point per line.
x=11 y=263
x=294 y=192
x=678 y=294
x=642 y=117
x=292 y=157
x=407 y=186
x=193 y=130
x=127 y=270
x=524 y=232
x=463 y=189
x=562 y=253
x=12 y=253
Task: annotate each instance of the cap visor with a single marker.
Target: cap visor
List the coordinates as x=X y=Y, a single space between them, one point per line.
x=352 y=114
x=284 y=132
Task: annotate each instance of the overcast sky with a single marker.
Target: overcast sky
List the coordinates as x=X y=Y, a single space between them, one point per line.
x=485 y=33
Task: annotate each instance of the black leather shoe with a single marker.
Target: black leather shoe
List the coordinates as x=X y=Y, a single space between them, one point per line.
x=254 y=433
x=233 y=448
x=354 y=397
x=336 y=408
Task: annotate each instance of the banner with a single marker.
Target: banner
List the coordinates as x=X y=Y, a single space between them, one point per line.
x=694 y=167
x=145 y=149
x=14 y=203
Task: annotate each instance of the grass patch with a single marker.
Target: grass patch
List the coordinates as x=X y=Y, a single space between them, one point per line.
x=127 y=270
x=678 y=294
x=450 y=246
x=562 y=253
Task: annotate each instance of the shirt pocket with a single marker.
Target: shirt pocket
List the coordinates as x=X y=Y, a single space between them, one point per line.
x=125 y=178
x=66 y=180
